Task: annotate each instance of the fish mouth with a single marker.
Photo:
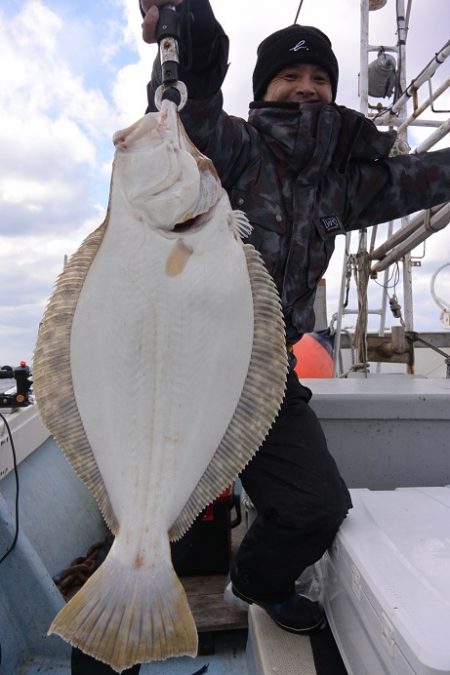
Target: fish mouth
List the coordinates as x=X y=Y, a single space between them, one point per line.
x=191 y=225
x=188 y=225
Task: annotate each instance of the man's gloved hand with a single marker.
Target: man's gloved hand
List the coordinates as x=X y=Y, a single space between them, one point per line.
x=150 y=9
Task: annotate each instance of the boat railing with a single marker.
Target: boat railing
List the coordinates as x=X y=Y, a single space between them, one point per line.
x=376 y=258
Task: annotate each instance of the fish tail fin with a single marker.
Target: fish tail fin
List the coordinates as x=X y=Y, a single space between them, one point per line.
x=123 y=617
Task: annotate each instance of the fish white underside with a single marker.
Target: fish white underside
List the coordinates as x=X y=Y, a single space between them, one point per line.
x=158 y=372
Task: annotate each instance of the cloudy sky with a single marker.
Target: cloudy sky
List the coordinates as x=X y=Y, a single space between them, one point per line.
x=74 y=71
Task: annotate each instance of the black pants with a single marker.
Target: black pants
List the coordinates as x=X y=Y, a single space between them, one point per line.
x=300 y=499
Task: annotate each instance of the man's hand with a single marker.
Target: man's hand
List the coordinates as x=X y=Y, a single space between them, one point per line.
x=151 y=9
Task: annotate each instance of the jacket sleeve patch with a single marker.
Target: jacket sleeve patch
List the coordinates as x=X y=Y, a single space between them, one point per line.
x=331 y=225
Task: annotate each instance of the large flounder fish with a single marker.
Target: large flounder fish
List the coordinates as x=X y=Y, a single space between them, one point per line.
x=159 y=368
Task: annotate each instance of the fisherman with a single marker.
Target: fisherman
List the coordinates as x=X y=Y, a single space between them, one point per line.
x=304 y=170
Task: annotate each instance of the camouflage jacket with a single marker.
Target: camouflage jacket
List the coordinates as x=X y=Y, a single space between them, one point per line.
x=303 y=173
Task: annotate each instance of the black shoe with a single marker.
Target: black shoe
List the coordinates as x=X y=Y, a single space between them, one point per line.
x=82 y=664
x=297 y=614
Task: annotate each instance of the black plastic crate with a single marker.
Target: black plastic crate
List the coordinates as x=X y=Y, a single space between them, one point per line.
x=206 y=547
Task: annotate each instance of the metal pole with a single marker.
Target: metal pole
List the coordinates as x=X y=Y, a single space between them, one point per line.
x=408 y=237
x=433 y=96
x=402 y=31
x=340 y=312
x=364 y=101
x=434 y=138
x=363 y=58
x=408 y=314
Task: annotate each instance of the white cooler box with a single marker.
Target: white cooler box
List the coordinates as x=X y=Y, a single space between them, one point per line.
x=388 y=583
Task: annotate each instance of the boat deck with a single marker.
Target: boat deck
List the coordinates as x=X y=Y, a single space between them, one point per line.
x=206 y=598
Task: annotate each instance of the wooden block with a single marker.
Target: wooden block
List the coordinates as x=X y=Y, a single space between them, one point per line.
x=205 y=596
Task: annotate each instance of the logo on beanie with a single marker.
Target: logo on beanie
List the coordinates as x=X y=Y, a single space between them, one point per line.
x=300 y=45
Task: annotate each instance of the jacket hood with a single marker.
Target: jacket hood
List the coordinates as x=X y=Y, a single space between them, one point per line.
x=299 y=130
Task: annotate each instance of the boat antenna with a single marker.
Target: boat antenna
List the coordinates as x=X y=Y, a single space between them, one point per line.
x=298 y=10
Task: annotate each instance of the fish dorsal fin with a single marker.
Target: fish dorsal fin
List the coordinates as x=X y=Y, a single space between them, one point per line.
x=52 y=373
x=259 y=402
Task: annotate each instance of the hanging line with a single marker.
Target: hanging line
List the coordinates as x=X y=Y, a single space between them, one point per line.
x=298 y=11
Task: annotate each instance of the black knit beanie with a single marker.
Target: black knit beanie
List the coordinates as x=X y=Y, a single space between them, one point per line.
x=294 y=44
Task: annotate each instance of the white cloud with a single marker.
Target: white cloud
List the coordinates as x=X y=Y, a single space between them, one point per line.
x=55 y=133
x=72 y=73
x=129 y=92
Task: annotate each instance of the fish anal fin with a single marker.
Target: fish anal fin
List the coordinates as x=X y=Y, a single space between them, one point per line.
x=122 y=617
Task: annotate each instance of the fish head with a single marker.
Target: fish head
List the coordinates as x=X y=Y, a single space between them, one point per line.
x=163 y=178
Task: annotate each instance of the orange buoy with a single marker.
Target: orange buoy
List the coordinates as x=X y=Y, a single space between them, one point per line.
x=314 y=353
